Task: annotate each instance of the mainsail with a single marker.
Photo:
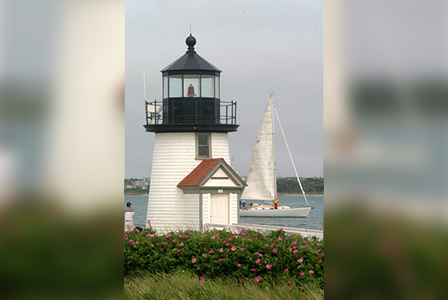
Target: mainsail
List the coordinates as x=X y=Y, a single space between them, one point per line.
x=260 y=182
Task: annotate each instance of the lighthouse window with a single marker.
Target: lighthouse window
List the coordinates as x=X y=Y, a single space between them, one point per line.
x=217 y=87
x=207 y=86
x=165 y=86
x=175 y=86
x=191 y=86
x=202 y=145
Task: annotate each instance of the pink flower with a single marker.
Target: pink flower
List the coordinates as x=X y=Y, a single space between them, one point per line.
x=318 y=250
x=242 y=249
x=268 y=267
x=253 y=270
x=302 y=274
x=280 y=238
x=295 y=251
x=233 y=248
x=311 y=272
x=164 y=243
x=174 y=240
x=178 y=250
x=238 y=265
x=219 y=259
x=136 y=229
x=193 y=260
x=259 y=254
x=203 y=254
x=152 y=245
x=213 y=237
x=211 y=251
x=266 y=245
x=221 y=250
x=168 y=236
x=227 y=250
x=202 y=280
x=322 y=255
x=181 y=244
x=257 y=261
x=257 y=279
x=230 y=239
x=300 y=260
x=290 y=287
x=320 y=261
x=280 y=229
x=275 y=250
x=150 y=235
x=286 y=271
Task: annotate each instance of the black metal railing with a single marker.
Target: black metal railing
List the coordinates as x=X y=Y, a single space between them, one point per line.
x=190 y=111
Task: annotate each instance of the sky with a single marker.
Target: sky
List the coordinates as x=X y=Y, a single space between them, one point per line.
x=260 y=46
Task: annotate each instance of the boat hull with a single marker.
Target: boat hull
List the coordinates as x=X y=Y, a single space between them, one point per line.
x=301 y=212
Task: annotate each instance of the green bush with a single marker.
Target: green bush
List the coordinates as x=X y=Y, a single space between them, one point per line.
x=247 y=255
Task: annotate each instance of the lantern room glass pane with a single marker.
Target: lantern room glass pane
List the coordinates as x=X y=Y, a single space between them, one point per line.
x=191 y=86
x=207 y=86
x=165 y=86
x=217 y=87
x=175 y=86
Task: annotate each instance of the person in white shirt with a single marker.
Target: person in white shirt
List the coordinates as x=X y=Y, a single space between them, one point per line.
x=128 y=217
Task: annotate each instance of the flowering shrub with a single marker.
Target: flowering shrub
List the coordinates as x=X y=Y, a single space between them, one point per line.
x=219 y=254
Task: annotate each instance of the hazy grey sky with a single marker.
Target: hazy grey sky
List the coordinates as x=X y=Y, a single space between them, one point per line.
x=260 y=46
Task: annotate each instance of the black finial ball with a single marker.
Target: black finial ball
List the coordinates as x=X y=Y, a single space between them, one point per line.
x=190 y=41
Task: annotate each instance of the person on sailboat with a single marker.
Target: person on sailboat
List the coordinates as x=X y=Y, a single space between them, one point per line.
x=276 y=203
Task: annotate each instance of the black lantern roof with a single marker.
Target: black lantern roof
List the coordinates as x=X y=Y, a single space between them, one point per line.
x=191 y=61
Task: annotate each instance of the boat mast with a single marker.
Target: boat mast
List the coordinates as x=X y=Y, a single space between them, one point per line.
x=273 y=145
x=290 y=156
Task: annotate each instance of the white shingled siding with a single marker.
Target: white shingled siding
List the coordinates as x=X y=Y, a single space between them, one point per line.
x=220 y=146
x=174 y=157
x=233 y=203
x=206 y=207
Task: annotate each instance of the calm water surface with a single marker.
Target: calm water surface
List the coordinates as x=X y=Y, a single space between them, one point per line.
x=315 y=219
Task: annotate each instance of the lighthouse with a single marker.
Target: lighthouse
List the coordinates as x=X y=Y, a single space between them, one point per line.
x=192 y=182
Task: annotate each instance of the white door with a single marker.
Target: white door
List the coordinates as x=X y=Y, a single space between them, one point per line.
x=219 y=208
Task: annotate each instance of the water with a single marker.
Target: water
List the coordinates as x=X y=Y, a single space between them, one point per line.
x=315 y=219
x=140 y=207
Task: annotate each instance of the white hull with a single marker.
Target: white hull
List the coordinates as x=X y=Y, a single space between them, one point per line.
x=279 y=213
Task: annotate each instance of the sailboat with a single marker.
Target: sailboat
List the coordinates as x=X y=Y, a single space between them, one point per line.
x=262 y=178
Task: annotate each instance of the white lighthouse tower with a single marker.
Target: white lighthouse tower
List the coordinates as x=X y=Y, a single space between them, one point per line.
x=191 y=180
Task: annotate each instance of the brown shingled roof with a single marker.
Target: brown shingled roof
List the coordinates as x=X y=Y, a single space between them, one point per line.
x=196 y=176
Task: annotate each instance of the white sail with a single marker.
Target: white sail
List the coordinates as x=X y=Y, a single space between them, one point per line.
x=261 y=183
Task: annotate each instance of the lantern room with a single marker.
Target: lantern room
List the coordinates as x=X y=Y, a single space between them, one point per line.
x=191 y=99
